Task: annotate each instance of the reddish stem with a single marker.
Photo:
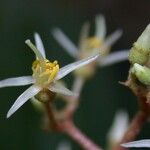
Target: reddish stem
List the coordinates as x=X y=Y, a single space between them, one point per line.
x=72 y=131
x=69 y=128
x=52 y=121
x=134 y=129
x=137 y=123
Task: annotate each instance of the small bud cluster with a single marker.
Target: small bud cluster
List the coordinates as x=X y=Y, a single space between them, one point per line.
x=139 y=57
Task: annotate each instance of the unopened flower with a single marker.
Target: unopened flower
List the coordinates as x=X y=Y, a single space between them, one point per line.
x=138 y=144
x=142 y=73
x=88 y=46
x=45 y=76
x=118 y=128
x=140 y=51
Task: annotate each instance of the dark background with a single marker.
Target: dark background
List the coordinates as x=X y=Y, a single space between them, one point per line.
x=102 y=96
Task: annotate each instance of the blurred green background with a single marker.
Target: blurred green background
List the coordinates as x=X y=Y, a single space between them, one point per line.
x=102 y=96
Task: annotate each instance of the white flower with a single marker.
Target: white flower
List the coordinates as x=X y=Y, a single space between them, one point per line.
x=45 y=76
x=118 y=128
x=99 y=43
x=138 y=144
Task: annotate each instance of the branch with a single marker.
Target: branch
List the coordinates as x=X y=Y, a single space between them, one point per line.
x=66 y=126
x=72 y=131
x=142 y=114
x=134 y=129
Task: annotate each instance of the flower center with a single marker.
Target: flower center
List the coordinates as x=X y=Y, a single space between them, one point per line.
x=90 y=47
x=93 y=42
x=44 y=72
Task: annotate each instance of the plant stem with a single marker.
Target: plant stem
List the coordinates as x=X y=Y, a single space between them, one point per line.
x=68 y=127
x=134 y=129
x=72 y=101
x=52 y=121
x=136 y=126
x=72 y=131
x=137 y=123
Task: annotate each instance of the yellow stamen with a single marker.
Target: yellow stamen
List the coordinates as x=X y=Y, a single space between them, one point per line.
x=44 y=72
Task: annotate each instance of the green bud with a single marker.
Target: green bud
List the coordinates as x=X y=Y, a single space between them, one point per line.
x=139 y=56
x=139 y=53
x=142 y=73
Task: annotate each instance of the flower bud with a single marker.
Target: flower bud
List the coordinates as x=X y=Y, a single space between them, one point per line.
x=139 y=53
x=142 y=73
x=139 y=56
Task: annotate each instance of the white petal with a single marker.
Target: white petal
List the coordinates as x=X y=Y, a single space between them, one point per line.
x=64 y=146
x=25 y=96
x=140 y=143
x=16 y=81
x=143 y=41
x=111 y=39
x=114 y=57
x=71 y=67
x=65 y=42
x=39 y=44
x=61 y=89
x=84 y=34
x=35 y=50
x=100 y=27
x=121 y=120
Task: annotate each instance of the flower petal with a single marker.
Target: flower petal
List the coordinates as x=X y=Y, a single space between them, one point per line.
x=100 y=32
x=111 y=39
x=39 y=44
x=35 y=50
x=71 y=67
x=61 y=89
x=121 y=120
x=143 y=41
x=65 y=145
x=140 y=143
x=84 y=35
x=25 y=96
x=65 y=42
x=114 y=57
x=16 y=81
